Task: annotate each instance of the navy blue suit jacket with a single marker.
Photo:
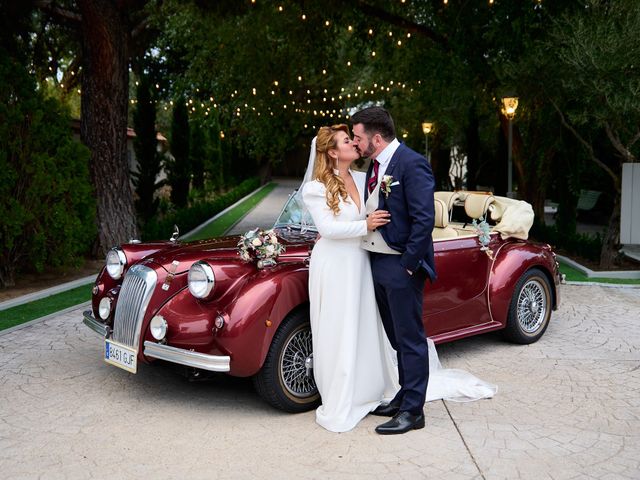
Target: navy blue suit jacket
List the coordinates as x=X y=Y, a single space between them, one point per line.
x=410 y=204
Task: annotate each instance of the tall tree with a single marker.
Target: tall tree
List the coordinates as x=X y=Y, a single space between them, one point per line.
x=146 y=147
x=109 y=33
x=179 y=167
x=592 y=79
x=197 y=153
x=103 y=126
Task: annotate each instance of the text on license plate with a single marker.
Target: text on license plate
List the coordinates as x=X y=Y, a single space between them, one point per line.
x=120 y=356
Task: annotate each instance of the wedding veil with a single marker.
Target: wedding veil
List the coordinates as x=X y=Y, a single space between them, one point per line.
x=308 y=174
x=297 y=205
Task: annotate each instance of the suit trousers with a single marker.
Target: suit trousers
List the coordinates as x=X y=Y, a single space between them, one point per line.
x=399 y=296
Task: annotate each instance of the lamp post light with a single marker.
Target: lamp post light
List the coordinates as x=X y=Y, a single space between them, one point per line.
x=426 y=129
x=509 y=106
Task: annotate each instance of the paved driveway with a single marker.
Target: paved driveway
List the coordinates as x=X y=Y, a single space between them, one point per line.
x=266 y=212
x=567 y=407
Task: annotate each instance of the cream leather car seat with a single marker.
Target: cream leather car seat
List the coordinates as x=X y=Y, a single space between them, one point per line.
x=477 y=204
x=441 y=227
x=449 y=199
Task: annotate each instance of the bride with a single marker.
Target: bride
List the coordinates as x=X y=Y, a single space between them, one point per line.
x=355 y=368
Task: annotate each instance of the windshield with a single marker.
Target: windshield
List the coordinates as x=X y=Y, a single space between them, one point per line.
x=294 y=215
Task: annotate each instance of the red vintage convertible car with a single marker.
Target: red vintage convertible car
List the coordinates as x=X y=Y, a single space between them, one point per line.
x=200 y=305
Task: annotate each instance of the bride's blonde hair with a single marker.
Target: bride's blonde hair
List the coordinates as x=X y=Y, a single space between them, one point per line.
x=323 y=169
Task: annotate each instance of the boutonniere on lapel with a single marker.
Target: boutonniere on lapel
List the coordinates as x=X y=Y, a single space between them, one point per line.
x=385 y=185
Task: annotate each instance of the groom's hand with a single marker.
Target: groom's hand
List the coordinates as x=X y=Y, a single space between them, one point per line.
x=377 y=219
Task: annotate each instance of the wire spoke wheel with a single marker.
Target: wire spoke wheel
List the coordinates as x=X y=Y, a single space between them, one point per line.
x=296 y=364
x=532 y=306
x=286 y=378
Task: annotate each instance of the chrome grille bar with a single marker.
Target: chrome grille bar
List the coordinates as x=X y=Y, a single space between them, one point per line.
x=135 y=293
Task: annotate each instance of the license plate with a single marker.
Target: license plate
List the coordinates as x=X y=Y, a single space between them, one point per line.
x=120 y=356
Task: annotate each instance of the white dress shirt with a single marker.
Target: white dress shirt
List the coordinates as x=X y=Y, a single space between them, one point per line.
x=385 y=156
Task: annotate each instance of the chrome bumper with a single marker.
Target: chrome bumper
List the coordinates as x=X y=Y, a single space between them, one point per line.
x=98 y=327
x=213 y=363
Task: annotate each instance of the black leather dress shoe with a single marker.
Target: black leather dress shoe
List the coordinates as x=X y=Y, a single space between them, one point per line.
x=388 y=410
x=401 y=423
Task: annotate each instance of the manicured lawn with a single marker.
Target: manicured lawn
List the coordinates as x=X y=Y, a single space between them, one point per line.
x=226 y=221
x=39 y=308
x=577 y=276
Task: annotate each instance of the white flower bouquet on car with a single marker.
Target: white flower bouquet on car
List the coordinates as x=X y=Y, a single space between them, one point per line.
x=261 y=246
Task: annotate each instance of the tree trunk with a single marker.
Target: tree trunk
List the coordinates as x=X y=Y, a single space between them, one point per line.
x=103 y=126
x=265 y=170
x=611 y=240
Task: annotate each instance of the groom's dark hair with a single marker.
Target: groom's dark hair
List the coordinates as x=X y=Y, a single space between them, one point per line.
x=375 y=120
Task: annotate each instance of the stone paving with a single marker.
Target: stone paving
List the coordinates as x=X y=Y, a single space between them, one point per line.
x=567 y=407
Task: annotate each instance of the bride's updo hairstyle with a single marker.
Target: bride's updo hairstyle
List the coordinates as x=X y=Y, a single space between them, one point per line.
x=323 y=169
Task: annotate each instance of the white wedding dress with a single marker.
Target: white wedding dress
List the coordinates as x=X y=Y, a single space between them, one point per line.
x=354 y=365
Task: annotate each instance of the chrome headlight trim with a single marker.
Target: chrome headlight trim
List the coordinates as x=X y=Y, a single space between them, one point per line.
x=104 y=308
x=115 y=262
x=201 y=279
x=158 y=327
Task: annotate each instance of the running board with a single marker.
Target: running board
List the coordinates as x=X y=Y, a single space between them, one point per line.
x=466 y=332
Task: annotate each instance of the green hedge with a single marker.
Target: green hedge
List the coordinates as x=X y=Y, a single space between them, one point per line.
x=578 y=244
x=190 y=217
x=47 y=209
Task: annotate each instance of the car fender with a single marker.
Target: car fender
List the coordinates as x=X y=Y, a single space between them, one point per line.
x=512 y=261
x=258 y=311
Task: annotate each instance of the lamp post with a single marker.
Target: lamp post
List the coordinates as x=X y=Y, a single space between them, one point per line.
x=509 y=106
x=426 y=129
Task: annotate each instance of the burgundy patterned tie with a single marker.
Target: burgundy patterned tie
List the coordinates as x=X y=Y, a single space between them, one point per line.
x=373 y=181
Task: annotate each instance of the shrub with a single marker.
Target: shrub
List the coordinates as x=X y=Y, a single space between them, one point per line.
x=579 y=244
x=46 y=203
x=190 y=217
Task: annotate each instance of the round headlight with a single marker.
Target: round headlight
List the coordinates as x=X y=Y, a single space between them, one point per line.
x=116 y=261
x=104 y=308
x=201 y=280
x=158 y=327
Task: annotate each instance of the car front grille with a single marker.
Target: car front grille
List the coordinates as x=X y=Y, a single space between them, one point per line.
x=133 y=299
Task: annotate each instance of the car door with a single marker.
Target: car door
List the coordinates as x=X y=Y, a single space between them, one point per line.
x=457 y=298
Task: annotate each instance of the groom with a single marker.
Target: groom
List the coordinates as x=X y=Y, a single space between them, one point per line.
x=400 y=181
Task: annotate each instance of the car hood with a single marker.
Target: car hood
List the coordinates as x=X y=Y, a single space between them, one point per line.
x=179 y=258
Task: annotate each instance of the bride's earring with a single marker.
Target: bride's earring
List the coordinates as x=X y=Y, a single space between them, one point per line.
x=334 y=163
